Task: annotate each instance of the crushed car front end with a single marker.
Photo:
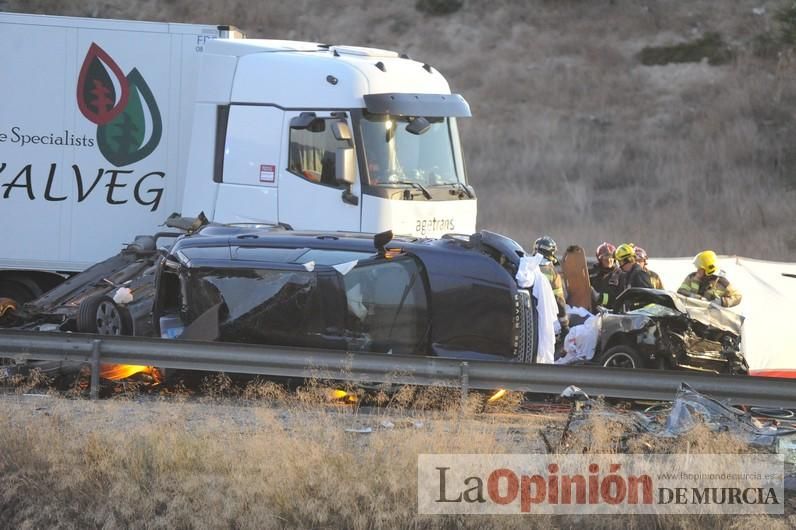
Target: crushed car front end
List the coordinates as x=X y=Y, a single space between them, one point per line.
x=660 y=329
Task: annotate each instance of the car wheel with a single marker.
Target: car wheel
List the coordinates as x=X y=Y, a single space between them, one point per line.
x=621 y=357
x=17 y=291
x=100 y=314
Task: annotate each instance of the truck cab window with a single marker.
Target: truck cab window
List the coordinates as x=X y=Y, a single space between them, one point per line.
x=312 y=152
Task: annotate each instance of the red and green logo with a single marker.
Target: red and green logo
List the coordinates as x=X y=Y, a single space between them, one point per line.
x=128 y=120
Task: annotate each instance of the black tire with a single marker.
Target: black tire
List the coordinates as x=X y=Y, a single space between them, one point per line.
x=621 y=356
x=528 y=318
x=100 y=314
x=17 y=291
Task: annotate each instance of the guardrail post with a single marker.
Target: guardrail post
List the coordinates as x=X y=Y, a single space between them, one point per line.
x=95 y=368
x=465 y=382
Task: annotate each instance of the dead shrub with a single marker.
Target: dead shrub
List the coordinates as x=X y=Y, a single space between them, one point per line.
x=710 y=47
x=438 y=7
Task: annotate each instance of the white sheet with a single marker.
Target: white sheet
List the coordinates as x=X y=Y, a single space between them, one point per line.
x=529 y=276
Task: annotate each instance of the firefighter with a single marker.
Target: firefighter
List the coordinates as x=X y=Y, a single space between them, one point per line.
x=709 y=283
x=632 y=273
x=604 y=275
x=546 y=247
x=641 y=259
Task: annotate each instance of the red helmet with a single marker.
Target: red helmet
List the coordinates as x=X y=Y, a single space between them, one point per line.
x=641 y=254
x=605 y=250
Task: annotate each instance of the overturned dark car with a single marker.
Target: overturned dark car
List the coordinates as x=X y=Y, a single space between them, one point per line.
x=452 y=297
x=651 y=328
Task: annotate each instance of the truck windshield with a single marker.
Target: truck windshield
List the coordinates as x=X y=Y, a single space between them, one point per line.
x=394 y=155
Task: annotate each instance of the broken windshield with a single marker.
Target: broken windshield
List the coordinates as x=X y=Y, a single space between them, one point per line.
x=422 y=155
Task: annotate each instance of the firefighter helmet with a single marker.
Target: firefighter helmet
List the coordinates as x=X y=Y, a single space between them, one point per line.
x=545 y=246
x=706 y=260
x=625 y=253
x=641 y=254
x=605 y=250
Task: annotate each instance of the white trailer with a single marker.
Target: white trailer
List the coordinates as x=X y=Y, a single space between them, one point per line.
x=107 y=127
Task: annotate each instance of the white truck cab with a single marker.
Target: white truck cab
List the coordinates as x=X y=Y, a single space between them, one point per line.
x=327 y=137
x=107 y=127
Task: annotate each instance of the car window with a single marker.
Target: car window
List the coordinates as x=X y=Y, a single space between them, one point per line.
x=387 y=306
x=257 y=305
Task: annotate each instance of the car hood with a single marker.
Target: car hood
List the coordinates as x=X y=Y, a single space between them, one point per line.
x=701 y=311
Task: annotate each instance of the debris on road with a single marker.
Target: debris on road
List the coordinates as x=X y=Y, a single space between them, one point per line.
x=687 y=411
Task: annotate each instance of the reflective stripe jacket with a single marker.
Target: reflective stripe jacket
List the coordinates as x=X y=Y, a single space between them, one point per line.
x=656 y=281
x=605 y=283
x=713 y=287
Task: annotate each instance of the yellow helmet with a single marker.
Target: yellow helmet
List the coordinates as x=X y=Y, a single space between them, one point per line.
x=625 y=252
x=706 y=260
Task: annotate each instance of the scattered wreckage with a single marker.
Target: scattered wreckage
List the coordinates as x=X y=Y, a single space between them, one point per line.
x=757 y=427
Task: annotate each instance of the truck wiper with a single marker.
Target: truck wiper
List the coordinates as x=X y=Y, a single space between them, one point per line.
x=415 y=185
x=464 y=188
x=458 y=185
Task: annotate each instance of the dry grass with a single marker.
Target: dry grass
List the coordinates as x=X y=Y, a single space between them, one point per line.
x=283 y=461
x=571 y=134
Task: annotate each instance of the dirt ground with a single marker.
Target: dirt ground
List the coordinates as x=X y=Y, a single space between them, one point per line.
x=287 y=461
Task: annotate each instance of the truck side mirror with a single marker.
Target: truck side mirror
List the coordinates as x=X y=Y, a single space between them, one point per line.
x=341 y=131
x=345 y=173
x=308 y=121
x=303 y=120
x=419 y=125
x=345 y=166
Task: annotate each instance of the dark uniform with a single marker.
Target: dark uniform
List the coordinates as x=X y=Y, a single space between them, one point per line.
x=635 y=277
x=606 y=283
x=711 y=287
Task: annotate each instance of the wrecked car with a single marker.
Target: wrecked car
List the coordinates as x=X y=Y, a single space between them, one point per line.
x=451 y=297
x=650 y=328
x=112 y=297
x=85 y=302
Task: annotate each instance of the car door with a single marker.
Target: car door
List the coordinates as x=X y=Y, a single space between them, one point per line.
x=387 y=306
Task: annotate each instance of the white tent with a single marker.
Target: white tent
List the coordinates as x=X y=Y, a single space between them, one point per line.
x=768 y=304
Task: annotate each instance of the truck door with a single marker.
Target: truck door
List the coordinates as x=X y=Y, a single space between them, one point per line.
x=310 y=196
x=248 y=190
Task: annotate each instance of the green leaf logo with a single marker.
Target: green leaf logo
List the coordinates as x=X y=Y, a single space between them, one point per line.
x=124 y=140
x=129 y=126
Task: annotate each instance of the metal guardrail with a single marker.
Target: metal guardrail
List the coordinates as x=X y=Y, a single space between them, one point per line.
x=383 y=368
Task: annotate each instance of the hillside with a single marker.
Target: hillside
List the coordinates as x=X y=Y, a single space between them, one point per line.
x=582 y=126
